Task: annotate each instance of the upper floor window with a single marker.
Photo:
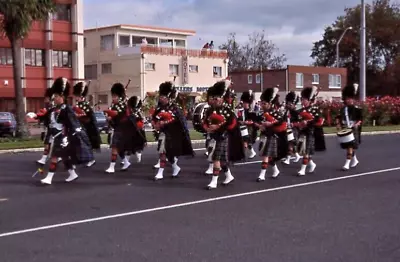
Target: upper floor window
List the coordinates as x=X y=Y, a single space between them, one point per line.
x=258 y=79
x=249 y=79
x=62 y=12
x=62 y=59
x=335 y=81
x=217 y=71
x=150 y=66
x=90 y=71
x=193 y=68
x=124 y=40
x=315 y=78
x=299 y=80
x=107 y=42
x=174 y=70
x=34 y=57
x=106 y=68
x=6 y=56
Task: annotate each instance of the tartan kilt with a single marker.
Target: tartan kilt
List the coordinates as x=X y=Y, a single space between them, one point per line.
x=269 y=146
x=296 y=134
x=79 y=149
x=221 y=150
x=306 y=142
x=116 y=138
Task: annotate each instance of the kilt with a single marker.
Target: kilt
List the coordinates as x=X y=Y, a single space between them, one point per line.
x=220 y=152
x=78 y=150
x=269 y=146
x=355 y=144
x=306 y=142
x=296 y=137
x=116 y=138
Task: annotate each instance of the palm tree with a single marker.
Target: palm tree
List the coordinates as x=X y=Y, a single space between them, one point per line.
x=16 y=18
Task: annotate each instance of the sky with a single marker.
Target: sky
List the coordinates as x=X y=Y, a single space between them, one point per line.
x=292 y=25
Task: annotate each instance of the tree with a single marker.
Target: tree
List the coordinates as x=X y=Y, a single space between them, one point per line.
x=383 y=45
x=15 y=23
x=256 y=53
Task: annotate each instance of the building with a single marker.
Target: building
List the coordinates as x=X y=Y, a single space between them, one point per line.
x=52 y=49
x=148 y=56
x=330 y=80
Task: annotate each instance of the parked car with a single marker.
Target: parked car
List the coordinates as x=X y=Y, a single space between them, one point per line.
x=8 y=124
x=102 y=123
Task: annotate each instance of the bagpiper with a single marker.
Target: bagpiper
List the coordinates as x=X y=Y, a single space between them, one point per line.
x=226 y=143
x=292 y=118
x=173 y=138
x=44 y=117
x=311 y=136
x=273 y=129
x=70 y=141
x=86 y=116
x=349 y=124
x=117 y=116
x=246 y=117
x=137 y=133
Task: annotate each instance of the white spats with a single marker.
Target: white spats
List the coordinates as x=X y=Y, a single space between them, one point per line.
x=59 y=160
x=354 y=161
x=126 y=164
x=296 y=157
x=158 y=164
x=160 y=174
x=139 y=157
x=252 y=153
x=346 y=165
x=42 y=160
x=311 y=166
x=261 y=177
x=72 y=175
x=275 y=171
x=214 y=183
x=175 y=170
x=48 y=179
x=228 y=177
x=111 y=168
x=91 y=163
x=302 y=171
x=209 y=171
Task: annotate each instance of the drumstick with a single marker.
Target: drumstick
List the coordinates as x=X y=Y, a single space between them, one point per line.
x=127 y=84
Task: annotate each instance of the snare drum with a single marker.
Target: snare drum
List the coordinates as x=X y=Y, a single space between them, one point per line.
x=198 y=116
x=290 y=135
x=244 y=131
x=346 y=136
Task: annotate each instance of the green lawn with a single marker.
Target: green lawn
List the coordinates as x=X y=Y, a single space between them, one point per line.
x=10 y=143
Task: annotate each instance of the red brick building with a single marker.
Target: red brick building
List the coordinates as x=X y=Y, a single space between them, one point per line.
x=293 y=78
x=52 y=49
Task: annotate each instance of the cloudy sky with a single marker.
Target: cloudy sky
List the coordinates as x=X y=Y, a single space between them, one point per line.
x=291 y=24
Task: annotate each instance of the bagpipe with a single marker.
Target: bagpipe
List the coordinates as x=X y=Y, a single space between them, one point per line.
x=278 y=126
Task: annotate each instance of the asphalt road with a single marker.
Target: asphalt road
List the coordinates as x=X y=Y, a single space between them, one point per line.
x=326 y=216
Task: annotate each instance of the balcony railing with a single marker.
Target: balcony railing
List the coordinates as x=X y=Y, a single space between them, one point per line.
x=178 y=51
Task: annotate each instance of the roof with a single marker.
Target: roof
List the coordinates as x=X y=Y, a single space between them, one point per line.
x=145 y=28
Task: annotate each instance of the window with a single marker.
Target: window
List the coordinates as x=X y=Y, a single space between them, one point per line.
x=106 y=68
x=62 y=59
x=217 y=71
x=174 y=70
x=258 y=79
x=249 y=79
x=150 y=66
x=315 y=78
x=335 y=81
x=193 y=68
x=299 y=80
x=102 y=99
x=107 y=42
x=84 y=42
x=62 y=12
x=34 y=57
x=6 y=56
x=90 y=71
x=124 y=40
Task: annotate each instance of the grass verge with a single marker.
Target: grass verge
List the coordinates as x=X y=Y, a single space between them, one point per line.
x=34 y=142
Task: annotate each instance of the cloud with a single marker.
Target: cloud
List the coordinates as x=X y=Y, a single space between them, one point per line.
x=293 y=25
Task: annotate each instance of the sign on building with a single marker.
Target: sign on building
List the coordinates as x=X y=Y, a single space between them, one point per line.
x=185 y=70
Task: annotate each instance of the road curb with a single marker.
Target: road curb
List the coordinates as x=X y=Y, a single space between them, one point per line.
x=195 y=142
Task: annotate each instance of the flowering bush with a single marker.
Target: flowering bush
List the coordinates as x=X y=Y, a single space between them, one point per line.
x=384 y=111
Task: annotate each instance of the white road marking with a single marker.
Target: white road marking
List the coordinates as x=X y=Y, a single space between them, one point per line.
x=247 y=163
x=3 y=199
x=198 y=149
x=150 y=210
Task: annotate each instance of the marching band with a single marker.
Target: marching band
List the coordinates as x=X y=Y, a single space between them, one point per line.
x=288 y=132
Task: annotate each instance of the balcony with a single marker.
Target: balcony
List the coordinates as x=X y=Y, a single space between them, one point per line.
x=171 y=51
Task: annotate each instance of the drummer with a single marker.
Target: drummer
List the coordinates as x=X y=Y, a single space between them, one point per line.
x=350 y=117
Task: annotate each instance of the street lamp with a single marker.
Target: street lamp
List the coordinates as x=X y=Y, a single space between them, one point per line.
x=362 y=54
x=337 y=44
